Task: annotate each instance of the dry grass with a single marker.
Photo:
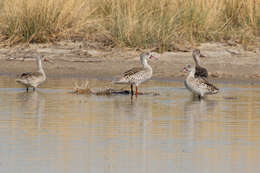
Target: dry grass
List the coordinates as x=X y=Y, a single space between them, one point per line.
x=82 y=88
x=40 y=20
x=133 y=23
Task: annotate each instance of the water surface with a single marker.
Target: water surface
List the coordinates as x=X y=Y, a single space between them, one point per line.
x=54 y=131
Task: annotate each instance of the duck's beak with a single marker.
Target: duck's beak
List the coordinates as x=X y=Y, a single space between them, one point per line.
x=44 y=59
x=152 y=57
x=202 y=56
x=184 y=70
x=47 y=60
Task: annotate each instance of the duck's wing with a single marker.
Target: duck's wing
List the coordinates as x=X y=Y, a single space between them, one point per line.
x=130 y=75
x=28 y=77
x=133 y=71
x=201 y=72
x=207 y=85
x=25 y=75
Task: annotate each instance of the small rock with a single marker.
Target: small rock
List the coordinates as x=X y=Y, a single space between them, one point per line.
x=233 y=52
x=215 y=75
x=231 y=43
x=230 y=98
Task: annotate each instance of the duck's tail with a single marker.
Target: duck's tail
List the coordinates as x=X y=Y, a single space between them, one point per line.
x=119 y=81
x=215 y=90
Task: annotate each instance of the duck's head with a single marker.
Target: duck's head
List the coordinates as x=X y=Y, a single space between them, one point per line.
x=187 y=68
x=42 y=57
x=197 y=53
x=146 y=55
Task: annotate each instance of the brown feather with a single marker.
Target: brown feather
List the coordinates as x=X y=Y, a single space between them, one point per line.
x=201 y=72
x=29 y=75
x=133 y=71
x=209 y=84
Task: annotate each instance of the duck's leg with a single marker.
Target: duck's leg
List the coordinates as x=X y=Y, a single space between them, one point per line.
x=201 y=97
x=132 y=91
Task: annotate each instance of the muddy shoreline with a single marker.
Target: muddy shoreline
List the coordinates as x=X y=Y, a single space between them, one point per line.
x=88 y=60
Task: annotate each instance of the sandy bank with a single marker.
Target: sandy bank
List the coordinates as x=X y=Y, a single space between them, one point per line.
x=81 y=59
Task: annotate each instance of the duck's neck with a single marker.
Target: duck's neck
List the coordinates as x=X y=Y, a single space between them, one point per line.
x=192 y=73
x=196 y=59
x=145 y=64
x=39 y=65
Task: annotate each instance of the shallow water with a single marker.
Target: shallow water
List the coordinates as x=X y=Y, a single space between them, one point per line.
x=54 y=131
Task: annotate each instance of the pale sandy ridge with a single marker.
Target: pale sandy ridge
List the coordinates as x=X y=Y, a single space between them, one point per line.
x=87 y=60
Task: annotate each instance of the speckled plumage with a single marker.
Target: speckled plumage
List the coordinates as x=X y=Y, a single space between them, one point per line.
x=32 y=79
x=198 y=85
x=137 y=75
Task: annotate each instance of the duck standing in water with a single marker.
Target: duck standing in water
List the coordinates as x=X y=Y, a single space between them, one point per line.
x=199 y=70
x=137 y=75
x=33 y=79
x=198 y=85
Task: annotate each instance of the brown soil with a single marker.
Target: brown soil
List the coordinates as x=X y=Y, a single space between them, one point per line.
x=88 y=60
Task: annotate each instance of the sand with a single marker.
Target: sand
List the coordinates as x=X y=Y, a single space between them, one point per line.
x=91 y=60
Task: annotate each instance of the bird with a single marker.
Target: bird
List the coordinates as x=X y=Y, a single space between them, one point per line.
x=137 y=75
x=198 y=85
x=33 y=79
x=199 y=70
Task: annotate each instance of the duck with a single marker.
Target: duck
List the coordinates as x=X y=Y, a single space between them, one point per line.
x=33 y=79
x=199 y=70
x=137 y=75
x=198 y=85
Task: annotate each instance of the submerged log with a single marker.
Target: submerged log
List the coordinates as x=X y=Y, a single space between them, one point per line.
x=84 y=88
x=110 y=91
